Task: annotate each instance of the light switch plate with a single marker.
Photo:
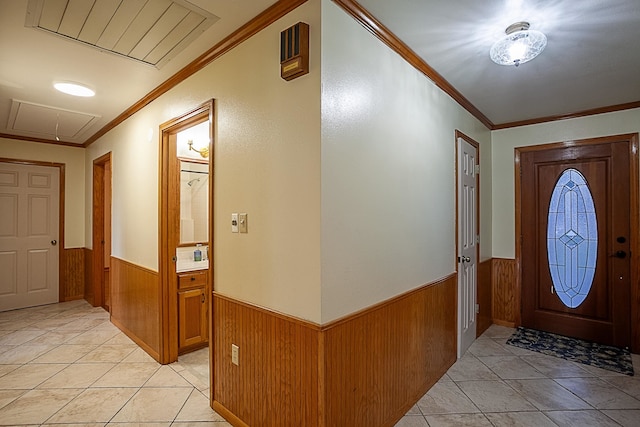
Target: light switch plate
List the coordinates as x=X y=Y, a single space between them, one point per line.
x=242 y=223
x=235 y=356
x=234 y=222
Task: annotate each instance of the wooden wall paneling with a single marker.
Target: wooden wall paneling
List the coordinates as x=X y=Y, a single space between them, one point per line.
x=88 y=275
x=135 y=298
x=485 y=297
x=276 y=382
x=381 y=361
x=504 y=292
x=367 y=369
x=74 y=274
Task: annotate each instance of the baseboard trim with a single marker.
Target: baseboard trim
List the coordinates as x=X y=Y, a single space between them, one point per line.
x=227 y=414
x=150 y=351
x=504 y=323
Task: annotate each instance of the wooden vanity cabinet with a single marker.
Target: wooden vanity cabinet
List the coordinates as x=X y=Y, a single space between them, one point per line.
x=193 y=312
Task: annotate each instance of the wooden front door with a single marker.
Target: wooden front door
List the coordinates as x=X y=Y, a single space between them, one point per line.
x=575 y=234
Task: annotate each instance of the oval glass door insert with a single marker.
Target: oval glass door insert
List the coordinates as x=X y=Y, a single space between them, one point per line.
x=572 y=238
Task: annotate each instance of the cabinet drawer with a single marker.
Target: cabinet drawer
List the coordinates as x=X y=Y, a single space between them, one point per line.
x=193 y=279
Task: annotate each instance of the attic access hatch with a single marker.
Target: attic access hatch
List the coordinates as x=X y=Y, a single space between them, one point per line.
x=151 y=32
x=43 y=121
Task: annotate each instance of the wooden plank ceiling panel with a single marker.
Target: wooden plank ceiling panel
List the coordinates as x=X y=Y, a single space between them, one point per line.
x=169 y=20
x=148 y=31
x=175 y=38
x=98 y=19
x=142 y=23
x=52 y=12
x=119 y=23
x=74 y=17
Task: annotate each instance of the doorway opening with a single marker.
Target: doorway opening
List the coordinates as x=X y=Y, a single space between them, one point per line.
x=99 y=294
x=577 y=242
x=186 y=234
x=467 y=237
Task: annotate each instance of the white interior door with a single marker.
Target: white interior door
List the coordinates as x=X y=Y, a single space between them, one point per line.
x=467 y=244
x=29 y=253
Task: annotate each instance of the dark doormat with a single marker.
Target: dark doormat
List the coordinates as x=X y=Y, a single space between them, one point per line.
x=601 y=356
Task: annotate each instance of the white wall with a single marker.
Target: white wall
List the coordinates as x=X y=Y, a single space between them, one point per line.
x=503 y=144
x=388 y=181
x=267 y=164
x=73 y=159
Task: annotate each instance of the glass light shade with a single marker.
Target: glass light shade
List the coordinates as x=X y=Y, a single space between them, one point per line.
x=518 y=47
x=74 y=89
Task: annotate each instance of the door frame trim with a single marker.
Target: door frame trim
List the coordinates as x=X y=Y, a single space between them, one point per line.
x=634 y=239
x=168 y=304
x=62 y=274
x=97 y=228
x=471 y=141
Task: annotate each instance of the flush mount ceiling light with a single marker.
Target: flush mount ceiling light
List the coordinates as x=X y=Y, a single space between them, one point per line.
x=519 y=45
x=74 y=89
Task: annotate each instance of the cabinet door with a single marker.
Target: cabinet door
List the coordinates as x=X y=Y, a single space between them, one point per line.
x=192 y=313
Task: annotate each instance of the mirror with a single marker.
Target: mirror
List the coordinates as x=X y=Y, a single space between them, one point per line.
x=194 y=202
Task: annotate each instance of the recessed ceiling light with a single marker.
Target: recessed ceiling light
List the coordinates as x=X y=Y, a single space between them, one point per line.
x=74 y=89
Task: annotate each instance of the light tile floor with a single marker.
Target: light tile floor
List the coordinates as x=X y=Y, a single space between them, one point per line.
x=499 y=385
x=66 y=364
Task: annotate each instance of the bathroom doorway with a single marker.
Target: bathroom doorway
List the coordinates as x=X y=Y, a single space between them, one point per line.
x=186 y=237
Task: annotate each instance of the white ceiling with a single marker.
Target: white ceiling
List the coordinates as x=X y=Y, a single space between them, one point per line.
x=591 y=60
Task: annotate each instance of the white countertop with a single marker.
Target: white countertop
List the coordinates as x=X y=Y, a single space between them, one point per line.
x=183 y=265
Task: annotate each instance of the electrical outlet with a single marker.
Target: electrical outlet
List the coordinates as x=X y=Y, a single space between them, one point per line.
x=234 y=222
x=235 y=354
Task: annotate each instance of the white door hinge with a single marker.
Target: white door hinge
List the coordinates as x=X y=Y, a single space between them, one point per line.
x=477 y=168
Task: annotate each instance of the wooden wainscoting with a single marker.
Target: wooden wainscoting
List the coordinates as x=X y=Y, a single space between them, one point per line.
x=135 y=304
x=485 y=296
x=276 y=381
x=379 y=362
x=73 y=277
x=504 y=292
x=367 y=369
x=88 y=275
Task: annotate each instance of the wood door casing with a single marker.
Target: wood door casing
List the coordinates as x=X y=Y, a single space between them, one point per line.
x=101 y=231
x=604 y=316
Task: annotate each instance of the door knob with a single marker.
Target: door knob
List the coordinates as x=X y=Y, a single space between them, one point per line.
x=464 y=259
x=620 y=254
x=54 y=242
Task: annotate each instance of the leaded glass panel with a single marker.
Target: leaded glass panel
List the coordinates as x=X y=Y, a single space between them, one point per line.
x=572 y=238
